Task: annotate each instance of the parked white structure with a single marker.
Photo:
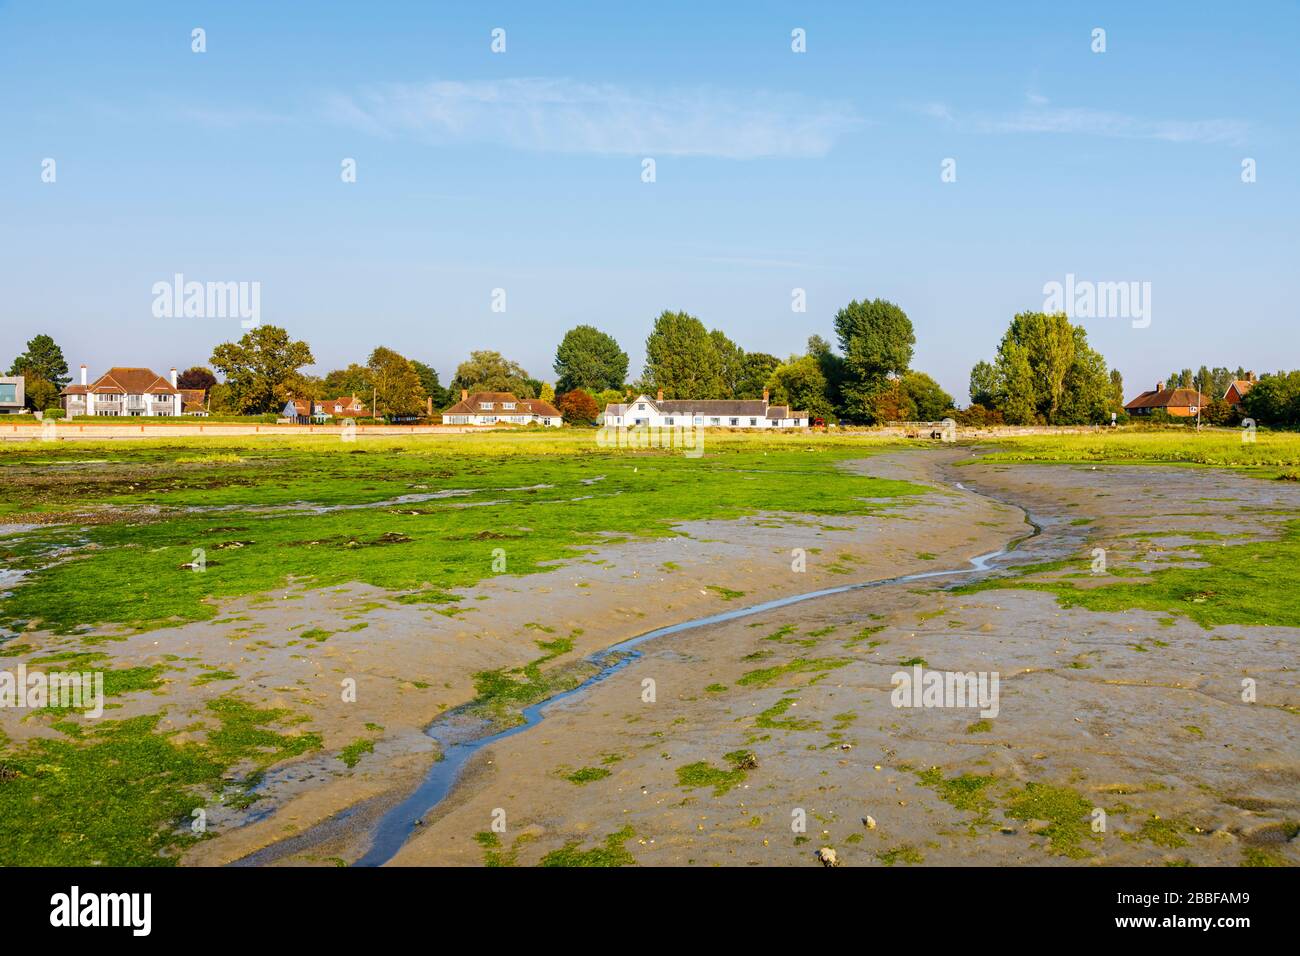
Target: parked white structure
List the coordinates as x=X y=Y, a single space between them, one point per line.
x=500 y=408
x=126 y=391
x=659 y=412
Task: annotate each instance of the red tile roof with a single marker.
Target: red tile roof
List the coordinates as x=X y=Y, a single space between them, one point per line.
x=1170 y=398
x=470 y=405
x=128 y=380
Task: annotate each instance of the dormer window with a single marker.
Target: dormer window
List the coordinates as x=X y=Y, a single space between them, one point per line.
x=507 y=404
x=485 y=406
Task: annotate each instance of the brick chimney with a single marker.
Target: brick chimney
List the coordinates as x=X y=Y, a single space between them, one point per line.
x=660 y=396
x=1250 y=376
x=83 y=374
x=764 y=396
x=464 y=394
x=173 y=378
x=1160 y=386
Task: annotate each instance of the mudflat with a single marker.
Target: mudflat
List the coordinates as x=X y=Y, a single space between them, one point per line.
x=1144 y=659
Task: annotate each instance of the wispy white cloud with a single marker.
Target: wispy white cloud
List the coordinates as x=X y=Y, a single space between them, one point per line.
x=565 y=116
x=1041 y=117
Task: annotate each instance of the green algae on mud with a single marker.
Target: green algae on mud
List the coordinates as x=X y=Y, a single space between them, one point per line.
x=1254 y=583
x=121 y=793
x=1220 y=448
x=405 y=518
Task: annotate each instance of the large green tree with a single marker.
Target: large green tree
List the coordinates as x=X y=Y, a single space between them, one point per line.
x=681 y=358
x=589 y=359
x=1045 y=371
x=488 y=371
x=395 y=383
x=261 y=368
x=42 y=359
x=876 y=338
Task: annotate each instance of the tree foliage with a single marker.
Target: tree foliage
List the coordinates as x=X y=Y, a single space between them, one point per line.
x=1045 y=371
x=260 y=368
x=800 y=384
x=1275 y=400
x=577 y=407
x=589 y=359
x=428 y=376
x=196 y=377
x=395 y=383
x=42 y=359
x=488 y=371
x=755 y=370
x=929 y=401
x=876 y=338
x=682 y=358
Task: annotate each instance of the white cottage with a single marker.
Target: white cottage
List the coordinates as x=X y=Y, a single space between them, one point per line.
x=659 y=412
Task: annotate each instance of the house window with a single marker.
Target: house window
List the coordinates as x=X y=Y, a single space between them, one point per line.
x=486 y=406
x=699 y=419
x=668 y=421
x=8 y=392
x=507 y=404
x=640 y=406
x=735 y=422
x=715 y=421
x=753 y=422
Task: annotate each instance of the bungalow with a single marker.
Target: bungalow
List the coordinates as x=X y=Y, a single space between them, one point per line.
x=124 y=390
x=501 y=408
x=1178 y=402
x=707 y=413
x=1237 y=391
x=13 y=399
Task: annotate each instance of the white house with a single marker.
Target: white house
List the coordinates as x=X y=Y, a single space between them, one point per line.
x=500 y=408
x=124 y=391
x=659 y=412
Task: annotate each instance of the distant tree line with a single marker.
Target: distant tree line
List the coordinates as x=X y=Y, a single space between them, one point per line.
x=1044 y=371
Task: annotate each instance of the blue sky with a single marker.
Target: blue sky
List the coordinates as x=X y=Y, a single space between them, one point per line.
x=774 y=171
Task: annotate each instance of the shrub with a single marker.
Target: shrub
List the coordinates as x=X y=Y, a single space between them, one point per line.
x=577 y=407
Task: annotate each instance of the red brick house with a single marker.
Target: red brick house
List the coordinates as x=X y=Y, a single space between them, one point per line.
x=1238 y=389
x=1178 y=402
